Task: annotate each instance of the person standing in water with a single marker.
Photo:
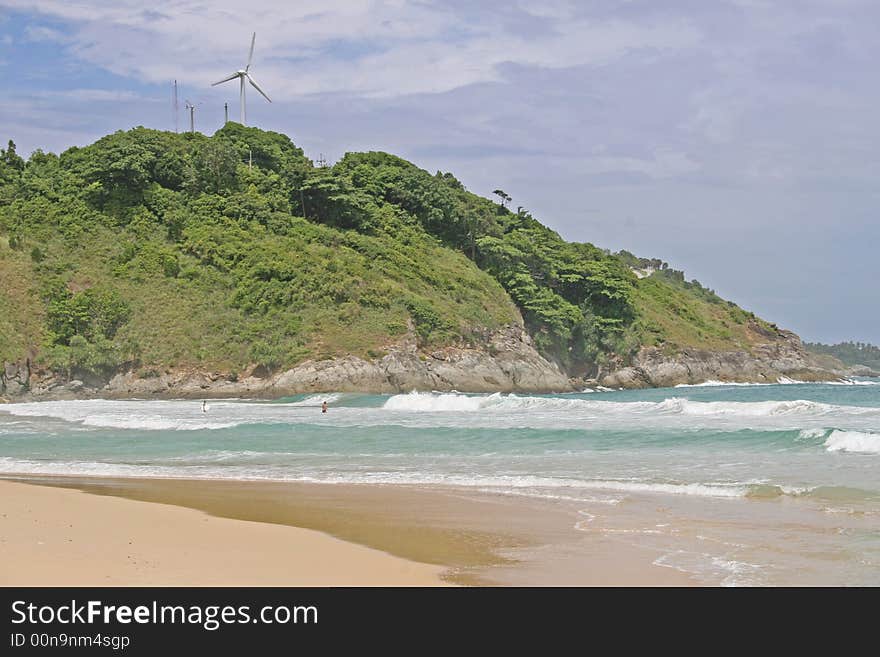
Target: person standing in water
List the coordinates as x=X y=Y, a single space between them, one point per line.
x=204 y=406
x=324 y=407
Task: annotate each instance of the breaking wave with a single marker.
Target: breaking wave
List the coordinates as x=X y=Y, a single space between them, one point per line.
x=224 y=466
x=314 y=400
x=456 y=402
x=853 y=441
x=812 y=434
x=717 y=384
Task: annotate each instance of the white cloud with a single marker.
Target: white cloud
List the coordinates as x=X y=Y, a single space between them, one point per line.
x=42 y=33
x=373 y=49
x=97 y=95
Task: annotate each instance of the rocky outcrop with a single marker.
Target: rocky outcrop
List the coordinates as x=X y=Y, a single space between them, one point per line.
x=504 y=361
x=15 y=378
x=767 y=362
x=861 y=370
x=507 y=361
x=509 y=364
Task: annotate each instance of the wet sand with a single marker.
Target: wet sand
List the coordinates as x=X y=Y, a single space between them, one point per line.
x=427 y=536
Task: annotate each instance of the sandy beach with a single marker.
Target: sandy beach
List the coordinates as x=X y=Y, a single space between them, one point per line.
x=141 y=531
x=53 y=536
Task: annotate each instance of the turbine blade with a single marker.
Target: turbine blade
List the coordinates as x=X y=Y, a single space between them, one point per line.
x=251 y=53
x=257 y=87
x=232 y=76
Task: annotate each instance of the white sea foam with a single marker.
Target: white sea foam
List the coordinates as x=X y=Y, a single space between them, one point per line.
x=696 y=489
x=450 y=401
x=315 y=400
x=712 y=567
x=546 y=494
x=151 y=423
x=747 y=409
x=421 y=410
x=169 y=415
x=741 y=573
x=853 y=441
x=812 y=434
x=453 y=402
x=716 y=384
x=782 y=380
x=584 y=525
x=526 y=484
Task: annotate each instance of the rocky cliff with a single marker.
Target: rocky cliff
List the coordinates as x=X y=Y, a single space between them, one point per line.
x=507 y=362
x=783 y=356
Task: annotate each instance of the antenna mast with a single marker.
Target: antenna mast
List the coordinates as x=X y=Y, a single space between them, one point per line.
x=225 y=113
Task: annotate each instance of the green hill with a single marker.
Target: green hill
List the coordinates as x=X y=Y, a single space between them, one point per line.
x=150 y=250
x=854 y=354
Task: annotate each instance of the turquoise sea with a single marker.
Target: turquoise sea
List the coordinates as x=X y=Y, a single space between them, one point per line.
x=732 y=484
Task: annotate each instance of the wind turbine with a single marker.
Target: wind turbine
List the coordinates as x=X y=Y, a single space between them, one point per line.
x=192 y=109
x=243 y=74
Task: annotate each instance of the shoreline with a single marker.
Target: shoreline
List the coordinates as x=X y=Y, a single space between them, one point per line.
x=515 y=367
x=416 y=535
x=76 y=391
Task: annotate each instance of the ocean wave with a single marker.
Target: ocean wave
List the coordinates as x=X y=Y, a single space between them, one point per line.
x=314 y=400
x=750 y=409
x=152 y=423
x=248 y=466
x=717 y=384
x=498 y=409
x=450 y=401
x=694 y=489
x=9 y=426
x=771 y=491
x=456 y=402
x=812 y=434
x=169 y=415
x=781 y=381
x=861 y=442
x=103 y=415
x=525 y=484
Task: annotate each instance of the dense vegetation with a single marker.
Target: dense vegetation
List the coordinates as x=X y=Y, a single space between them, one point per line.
x=849 y=353
x=150 y=249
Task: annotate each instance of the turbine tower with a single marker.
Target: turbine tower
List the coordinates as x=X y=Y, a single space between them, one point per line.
x=192 y=111
x=243 y=74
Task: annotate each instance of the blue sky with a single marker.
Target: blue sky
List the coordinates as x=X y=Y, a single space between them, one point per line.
x=736 y=139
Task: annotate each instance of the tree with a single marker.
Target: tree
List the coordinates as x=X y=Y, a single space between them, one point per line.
x=12 y=159
x=505 y=198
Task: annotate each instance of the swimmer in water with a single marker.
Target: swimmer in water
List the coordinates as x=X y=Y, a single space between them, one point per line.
x=324 y=407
